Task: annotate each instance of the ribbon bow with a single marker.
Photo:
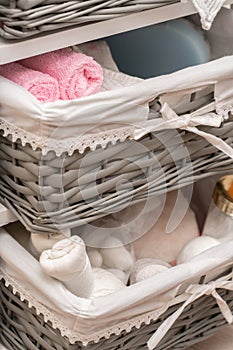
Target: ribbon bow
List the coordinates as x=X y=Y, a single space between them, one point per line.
x=187 y=122
x=194 y=292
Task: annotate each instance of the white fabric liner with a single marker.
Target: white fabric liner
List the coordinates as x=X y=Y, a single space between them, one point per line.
x=89 y=320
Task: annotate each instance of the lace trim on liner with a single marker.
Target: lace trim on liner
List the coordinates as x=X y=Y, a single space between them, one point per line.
x=72 y=335
x=92 y=141
x=224 y=111
x=208 y=10
x=68 y=145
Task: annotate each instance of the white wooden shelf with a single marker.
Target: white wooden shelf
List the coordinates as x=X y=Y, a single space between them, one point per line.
x=12 y=51
x=15 y=50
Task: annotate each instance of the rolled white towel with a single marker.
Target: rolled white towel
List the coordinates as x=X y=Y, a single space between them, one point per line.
x=39 y=242
x=105 y=283
x=68 y=262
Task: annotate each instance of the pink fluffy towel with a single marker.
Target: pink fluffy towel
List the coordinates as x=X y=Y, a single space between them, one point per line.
x=40 y=85
x=78 y=75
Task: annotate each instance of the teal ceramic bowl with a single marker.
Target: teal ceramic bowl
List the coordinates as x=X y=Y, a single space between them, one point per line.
x=159 y=49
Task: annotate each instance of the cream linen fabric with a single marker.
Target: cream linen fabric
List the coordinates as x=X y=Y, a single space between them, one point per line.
x=64 y=119
x=85 y=319
x=100 y=51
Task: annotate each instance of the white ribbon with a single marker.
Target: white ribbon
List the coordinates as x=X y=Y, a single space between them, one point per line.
x=195 y=292
x=187 y=122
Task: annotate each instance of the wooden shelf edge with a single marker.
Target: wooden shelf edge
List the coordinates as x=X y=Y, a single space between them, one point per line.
x=15 y=50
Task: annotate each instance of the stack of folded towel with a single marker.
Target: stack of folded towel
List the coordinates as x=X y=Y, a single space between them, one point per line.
x=61 y=74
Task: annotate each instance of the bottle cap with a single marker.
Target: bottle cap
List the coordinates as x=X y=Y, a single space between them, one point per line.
x=223 y=194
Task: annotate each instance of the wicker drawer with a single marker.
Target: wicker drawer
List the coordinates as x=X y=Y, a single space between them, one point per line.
x=163 y=312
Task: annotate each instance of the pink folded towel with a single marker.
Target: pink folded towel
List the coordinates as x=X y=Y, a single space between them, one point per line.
x=78 y=75
x=42 y=86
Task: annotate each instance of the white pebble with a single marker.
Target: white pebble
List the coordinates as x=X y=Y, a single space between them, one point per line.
x=147 y=267
x=195 y=247
x=149 y=271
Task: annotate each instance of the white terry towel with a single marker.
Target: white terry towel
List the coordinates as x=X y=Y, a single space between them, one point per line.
x=67 y=261
x=105 y=283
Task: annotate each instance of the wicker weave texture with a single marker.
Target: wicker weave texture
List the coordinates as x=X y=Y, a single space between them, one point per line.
x=50 y=15
x=22 y=329
x=50 y=193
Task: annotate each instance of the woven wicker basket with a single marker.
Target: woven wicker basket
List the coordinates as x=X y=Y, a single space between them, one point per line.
x=48 y=204
x=22 y=328
x=183 y=322
x=22 y=19
x=50 y=190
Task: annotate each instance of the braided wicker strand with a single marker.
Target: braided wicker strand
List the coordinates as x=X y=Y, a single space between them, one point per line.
x=21 y=327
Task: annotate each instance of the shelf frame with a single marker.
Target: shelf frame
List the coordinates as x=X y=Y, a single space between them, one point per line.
x=12 y=50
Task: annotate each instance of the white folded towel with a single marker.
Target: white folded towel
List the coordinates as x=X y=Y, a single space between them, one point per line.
x=68 y=262
x=105 y=283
